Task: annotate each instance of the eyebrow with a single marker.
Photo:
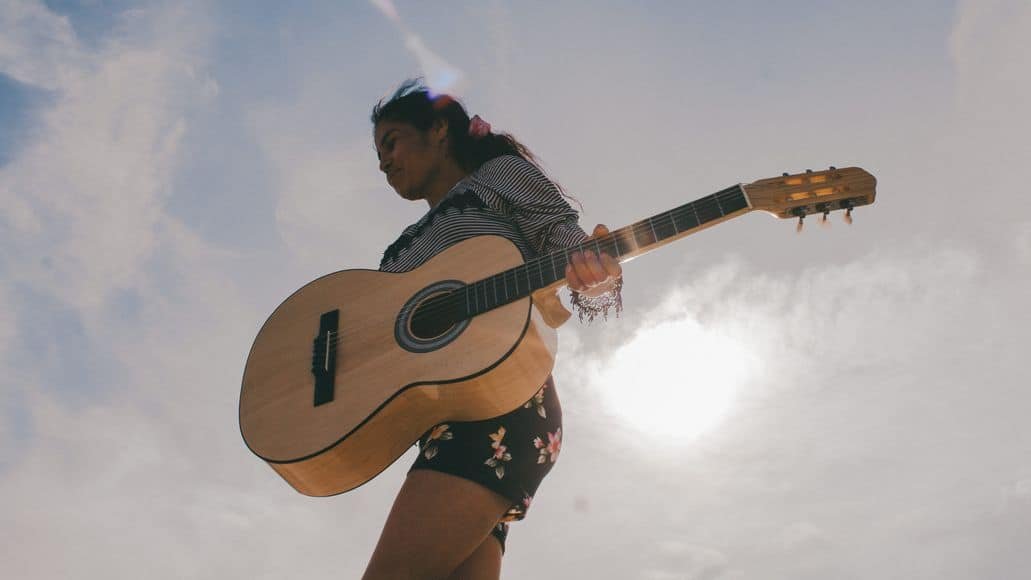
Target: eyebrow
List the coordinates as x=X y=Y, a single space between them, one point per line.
x=384 y=138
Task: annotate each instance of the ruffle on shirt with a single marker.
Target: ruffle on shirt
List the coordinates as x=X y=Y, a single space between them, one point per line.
x=458 y=201
x=591 y=308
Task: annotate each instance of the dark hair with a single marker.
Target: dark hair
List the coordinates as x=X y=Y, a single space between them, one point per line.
x=415 y=104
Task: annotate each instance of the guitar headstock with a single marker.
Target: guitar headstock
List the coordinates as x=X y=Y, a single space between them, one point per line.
x=813 y=192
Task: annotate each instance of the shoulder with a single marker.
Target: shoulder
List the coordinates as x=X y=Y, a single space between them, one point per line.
x=505 y=162
x=508 y=165
x=507 y=171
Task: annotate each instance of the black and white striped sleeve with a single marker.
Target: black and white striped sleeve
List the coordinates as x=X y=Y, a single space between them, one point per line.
x=546 y=220
x=534 y=202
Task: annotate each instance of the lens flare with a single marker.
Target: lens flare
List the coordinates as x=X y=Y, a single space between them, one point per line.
x=676 y=380
x=441 y=76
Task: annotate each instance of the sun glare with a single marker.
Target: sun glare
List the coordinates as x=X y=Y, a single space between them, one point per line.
x=675 y=380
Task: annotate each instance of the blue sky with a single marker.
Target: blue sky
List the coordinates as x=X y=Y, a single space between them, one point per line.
x=170 y=172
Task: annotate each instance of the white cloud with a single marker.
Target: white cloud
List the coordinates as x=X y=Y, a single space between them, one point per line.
x=858 y=422
x=38 y=47
x=684 y=561
x=890 y=411
x=89 y=191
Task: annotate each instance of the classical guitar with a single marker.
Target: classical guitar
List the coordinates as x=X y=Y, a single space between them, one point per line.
x=353 y=367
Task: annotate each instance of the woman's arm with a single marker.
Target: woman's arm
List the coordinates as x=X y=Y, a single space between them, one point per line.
x=595 y=281
x=549 y=224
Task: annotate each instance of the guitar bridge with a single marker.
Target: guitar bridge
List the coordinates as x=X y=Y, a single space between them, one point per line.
x=323 y=356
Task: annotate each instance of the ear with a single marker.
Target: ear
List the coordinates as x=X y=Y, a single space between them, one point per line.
x=438 y=131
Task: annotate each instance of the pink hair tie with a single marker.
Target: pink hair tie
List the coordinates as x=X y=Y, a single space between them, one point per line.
x=478 y=127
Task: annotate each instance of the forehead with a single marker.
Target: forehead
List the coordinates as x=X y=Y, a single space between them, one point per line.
x=384 y=127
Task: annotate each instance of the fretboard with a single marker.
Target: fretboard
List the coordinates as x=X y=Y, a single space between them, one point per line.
x=622 y=244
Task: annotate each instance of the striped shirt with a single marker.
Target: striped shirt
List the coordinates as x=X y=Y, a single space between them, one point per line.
x=507 y=196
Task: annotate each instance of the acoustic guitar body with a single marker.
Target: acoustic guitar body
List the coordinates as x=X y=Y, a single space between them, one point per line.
x=387 y=385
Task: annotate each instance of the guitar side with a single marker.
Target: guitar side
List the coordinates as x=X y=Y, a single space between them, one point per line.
x=385 y=396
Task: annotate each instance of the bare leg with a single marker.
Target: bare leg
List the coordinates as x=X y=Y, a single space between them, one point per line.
x=483 y=564
x=437 y=522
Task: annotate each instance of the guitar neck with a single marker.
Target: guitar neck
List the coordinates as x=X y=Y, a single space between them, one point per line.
x=548 y=271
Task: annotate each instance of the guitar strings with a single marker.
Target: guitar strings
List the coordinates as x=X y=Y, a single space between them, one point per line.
x=535 y=266
x=452 y=300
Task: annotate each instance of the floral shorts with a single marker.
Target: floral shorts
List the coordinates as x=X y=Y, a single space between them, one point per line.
x=509 y=454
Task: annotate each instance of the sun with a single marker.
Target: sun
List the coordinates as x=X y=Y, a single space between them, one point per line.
x=675 y=380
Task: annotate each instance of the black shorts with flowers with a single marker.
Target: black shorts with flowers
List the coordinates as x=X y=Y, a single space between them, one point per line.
x=509 y=454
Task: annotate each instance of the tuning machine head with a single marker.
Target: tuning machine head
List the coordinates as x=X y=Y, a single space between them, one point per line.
x=825 y=209
x=847 y=204
x=800 y=212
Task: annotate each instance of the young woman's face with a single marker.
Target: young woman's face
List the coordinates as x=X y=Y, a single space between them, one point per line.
x=407 y=156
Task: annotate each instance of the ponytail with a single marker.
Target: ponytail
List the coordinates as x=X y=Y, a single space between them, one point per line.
x=415 y=104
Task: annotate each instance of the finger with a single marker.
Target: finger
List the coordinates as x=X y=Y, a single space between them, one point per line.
x=583 y=270
x=611 y=265
x=572 y=280
x=594 y=265
x=599 y=231
x=576 y=258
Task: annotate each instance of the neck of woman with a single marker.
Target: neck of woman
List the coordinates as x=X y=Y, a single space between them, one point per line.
x=450 y=174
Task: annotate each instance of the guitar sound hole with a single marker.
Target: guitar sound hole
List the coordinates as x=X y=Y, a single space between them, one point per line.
x=431 y=319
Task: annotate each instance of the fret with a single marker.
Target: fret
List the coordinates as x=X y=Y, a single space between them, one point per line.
x=707 y=212
x=624 y=241
x=615 y=245
x=736 y=200
x=623 y=238
x=641 y=242
x=689 y=217
x=666 y=228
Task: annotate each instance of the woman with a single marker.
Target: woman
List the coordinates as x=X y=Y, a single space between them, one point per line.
x=450 y=518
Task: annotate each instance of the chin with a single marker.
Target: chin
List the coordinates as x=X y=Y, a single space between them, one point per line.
x=410 y=195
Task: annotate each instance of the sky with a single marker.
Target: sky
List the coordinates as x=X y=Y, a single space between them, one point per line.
x=846 y=402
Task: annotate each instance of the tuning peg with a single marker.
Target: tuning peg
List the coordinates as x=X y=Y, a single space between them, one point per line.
x=833 y=168
x=808 y=170
x=785 y=174
x=825 y=209
x=848 y=216
x=800 y=212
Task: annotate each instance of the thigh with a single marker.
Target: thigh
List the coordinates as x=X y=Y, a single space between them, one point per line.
x=483 y=564
x=437 y=522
